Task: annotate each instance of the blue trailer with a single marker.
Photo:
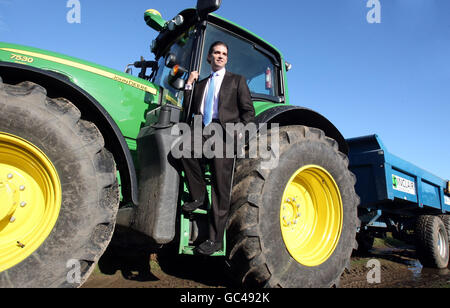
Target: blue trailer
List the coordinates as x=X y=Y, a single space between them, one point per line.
x=399 y=197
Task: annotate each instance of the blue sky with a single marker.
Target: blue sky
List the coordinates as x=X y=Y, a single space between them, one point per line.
x=390 y=78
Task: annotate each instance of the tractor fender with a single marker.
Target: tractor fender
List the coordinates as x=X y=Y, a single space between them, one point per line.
x=59 y=85
x=293 y=115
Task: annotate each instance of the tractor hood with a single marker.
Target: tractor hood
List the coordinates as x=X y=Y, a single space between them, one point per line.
x=126 y=98
x=54 y=61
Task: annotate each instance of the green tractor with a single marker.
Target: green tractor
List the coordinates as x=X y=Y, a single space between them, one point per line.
x=83 y=147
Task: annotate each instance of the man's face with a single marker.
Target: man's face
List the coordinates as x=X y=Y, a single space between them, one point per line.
x=218 y=58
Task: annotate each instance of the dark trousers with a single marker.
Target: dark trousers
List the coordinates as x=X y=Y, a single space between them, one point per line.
x=221 y=178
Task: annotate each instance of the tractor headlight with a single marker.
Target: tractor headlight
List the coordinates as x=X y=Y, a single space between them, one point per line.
x=177 y=21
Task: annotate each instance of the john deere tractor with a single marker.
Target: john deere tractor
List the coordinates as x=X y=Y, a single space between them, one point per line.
x=82 y=144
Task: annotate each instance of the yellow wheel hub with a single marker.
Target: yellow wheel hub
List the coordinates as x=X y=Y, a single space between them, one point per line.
x=30 y=194
x=311 y=215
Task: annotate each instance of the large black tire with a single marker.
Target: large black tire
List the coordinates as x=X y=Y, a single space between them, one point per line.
x=257 y=253
x=89 y=190
x=446 y=220
x=365 y=242
x=432 y=242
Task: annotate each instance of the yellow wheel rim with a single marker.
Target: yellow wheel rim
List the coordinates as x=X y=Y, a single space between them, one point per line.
x=311 y=216
x=30 y=194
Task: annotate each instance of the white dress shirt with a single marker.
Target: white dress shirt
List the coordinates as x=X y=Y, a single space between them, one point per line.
x=218 y=78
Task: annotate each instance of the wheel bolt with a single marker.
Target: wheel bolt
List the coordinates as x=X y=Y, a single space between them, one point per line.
x=12 y=219
x=23 y=204
x=9 y=176
x=21 y=188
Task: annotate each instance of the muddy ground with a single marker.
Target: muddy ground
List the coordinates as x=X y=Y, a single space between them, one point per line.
x=127 y=264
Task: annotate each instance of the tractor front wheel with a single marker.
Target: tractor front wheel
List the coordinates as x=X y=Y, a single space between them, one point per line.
x=58 y=190
x=293 y=225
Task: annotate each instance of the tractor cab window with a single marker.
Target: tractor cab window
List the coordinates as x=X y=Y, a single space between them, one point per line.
x=247 y=59
x=182 y=49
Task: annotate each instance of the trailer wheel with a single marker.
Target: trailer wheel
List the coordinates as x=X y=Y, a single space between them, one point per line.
x=432 y=241
x=446 y=220
x=365 y=242
x=58 y=190
x=293 y=225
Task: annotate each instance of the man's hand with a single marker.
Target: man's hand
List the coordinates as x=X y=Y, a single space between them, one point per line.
x=192 y=78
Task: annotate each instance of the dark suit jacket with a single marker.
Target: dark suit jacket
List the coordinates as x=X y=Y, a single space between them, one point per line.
x=235 y=102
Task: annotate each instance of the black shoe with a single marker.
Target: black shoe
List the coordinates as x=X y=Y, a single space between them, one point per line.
x=188 y=208
x=208 y=248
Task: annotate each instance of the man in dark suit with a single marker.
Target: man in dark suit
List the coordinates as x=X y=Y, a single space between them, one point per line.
x=221 y=98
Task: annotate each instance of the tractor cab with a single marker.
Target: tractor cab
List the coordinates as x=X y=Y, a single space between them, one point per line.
x=183 y=43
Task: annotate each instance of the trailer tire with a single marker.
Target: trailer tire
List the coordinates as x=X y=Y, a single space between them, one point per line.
x=432 y=242
x=446 y=220
x=70 y=180
x=365 y=242
x=260 y=251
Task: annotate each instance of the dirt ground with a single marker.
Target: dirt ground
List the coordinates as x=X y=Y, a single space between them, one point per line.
x=126 y=264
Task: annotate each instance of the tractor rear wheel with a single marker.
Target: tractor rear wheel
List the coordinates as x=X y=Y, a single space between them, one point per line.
x=58 y=189
x=293 y=225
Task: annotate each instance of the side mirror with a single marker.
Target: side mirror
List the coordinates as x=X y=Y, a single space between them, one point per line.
x=175 y=77
x=178 y=84
x=204 y=7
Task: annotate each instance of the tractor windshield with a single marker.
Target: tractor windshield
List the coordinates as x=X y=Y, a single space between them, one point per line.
x=182 y=49
x=260 y=67
x=245 y=58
